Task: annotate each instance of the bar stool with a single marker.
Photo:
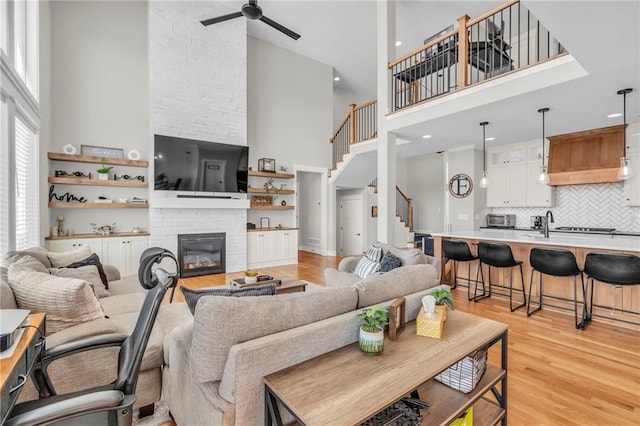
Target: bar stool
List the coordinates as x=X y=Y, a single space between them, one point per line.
x=556 y=263
x=499 y=256
x=459 y=251
x=609 y=268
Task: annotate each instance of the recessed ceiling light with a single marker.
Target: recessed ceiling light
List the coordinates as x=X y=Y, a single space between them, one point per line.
x=490 y=139
x=398 y=43
x=336 y=78
x=617 y=114
x=426 y=136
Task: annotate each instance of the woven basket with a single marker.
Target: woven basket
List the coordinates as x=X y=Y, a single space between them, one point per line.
x=397 y=414
x=465 y=374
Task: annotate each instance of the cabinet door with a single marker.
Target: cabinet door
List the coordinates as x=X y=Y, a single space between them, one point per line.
x=254 y=247
x=136 y=246
x=497 y=189
x=632 y=186
x=537 y=194
x=516 y=185
x=94 y=244
x=116 y=252
x=516 y=154
x=292 y=245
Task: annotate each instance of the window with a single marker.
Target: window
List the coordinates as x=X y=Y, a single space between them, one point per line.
x=19 y=125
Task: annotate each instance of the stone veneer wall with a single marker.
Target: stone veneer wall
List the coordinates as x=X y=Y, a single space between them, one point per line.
x=199 y=91
x=584 y=205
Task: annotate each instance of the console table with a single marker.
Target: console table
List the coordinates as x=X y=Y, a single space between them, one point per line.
x=347 y=387
x=14 y=371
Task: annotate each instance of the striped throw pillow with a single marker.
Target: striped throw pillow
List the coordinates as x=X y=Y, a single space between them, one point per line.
x=374 y=254
x=366 y=267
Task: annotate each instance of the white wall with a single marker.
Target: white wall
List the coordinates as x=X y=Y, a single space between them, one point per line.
x=94 y=67
x=425 y=183
x=465 y=214
x=342 y=99
x=289 y=107
x=198 y=90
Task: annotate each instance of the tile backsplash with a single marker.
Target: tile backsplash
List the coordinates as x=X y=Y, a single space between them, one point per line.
x=598 y=205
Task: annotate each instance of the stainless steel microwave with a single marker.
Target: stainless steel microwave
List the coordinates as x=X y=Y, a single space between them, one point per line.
x=501 y=220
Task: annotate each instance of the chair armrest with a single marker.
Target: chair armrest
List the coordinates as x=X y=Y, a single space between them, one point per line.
x=348 y=264
x=82 y=345
x=112 y=273
x=68 y=408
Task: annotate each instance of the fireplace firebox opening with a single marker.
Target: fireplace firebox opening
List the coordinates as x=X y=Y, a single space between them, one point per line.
x=201 y=254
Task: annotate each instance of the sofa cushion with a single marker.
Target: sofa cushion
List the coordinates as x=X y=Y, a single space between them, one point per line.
x=122 y=304
x=366 y=267
x=7 y=299
x=64 y=258
x=396 y=283
x=389 y=262
x=221 y=322
x=88 y=273
x=374 y=254
x=335 y=278
x=408 y=256
x=67 y=301
x=29 y=262
x=36 y=252
x=191 y=296
x=94 y=260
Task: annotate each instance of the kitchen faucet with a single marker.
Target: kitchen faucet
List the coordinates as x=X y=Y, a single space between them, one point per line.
x=549 y=217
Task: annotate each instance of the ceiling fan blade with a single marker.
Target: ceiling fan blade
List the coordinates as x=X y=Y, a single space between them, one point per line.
x=280 y=28
x=221 y=18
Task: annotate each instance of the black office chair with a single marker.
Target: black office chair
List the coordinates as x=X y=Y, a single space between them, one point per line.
x=499 y=256
x=458 y=251
x=557 y=263
x=111 y=404
x=609 y=268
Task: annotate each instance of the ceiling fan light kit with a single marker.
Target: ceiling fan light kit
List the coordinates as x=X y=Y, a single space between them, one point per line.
x=625 y=171
x=252 y=11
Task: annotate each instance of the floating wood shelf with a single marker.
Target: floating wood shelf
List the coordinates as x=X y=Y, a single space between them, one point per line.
x=276 y=192
x=271 y=208
x=284 y=228
x=96 y=160
x=76 y=205
x=271 y=175
x=97 y=182
x=94 y=235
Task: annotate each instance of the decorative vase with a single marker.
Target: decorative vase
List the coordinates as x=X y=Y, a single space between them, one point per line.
x=103 y=176
x=371 y=343
x=283 y=203
x=250 y=280
x=443 y=309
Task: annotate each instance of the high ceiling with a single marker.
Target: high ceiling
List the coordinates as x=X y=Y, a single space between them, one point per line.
x=603 y=36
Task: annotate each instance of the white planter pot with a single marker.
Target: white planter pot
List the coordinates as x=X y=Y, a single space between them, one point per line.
x=371 y=343
x=250 y=280
x=103 y=176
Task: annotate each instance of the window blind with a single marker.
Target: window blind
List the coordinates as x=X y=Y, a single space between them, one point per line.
x=4 y=178
x=26 y=187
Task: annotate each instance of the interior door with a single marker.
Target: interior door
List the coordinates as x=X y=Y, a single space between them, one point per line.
x=350 y=226
x=213 y=179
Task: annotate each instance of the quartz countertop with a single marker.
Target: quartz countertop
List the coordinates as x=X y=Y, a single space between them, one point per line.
x=594 y=241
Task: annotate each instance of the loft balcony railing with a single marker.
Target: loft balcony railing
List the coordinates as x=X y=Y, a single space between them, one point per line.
x=358 y=126
x=501 y=41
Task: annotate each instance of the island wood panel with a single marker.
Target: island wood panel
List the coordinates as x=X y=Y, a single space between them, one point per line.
x=558 y=292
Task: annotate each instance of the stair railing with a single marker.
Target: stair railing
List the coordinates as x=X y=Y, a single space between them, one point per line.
x=404 y=209
x=358 y=126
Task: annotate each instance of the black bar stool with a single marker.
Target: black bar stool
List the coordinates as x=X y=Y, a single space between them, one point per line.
x=459 y=251
x=609 y=268
x=557 y=263
x=499 y=256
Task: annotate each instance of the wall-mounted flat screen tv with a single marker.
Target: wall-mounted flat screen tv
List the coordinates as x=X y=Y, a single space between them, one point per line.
x=194 y=165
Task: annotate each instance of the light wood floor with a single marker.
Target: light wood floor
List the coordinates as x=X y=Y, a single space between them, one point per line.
x=557 y=375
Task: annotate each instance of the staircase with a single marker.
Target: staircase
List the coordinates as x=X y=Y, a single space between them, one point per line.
x=404 y=215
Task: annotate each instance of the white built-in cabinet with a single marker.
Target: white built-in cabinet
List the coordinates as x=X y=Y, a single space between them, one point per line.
x=513 y=173
x=121 y=251
x=271 y=247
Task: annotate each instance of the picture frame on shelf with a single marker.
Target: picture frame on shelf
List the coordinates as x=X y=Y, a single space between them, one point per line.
x=396 y=318
x=101 y=151
x=267 y=165
x=264 y=222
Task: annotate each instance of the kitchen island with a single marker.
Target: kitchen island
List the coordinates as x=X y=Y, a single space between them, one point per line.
x=620 y=303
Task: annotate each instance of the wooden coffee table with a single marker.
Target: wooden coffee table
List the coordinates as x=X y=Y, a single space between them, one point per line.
x=346 y=387
x=287 y=285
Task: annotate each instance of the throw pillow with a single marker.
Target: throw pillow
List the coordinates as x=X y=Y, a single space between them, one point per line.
x=88 y=273
x=374 y=254
x=92 y=260
x=38 y=252
x=192 y=296
x=63 y=258
x=29 y=262
x=66 y=301
x=389 y=262
x=366 y=267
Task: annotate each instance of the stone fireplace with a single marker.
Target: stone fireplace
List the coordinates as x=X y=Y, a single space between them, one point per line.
x=201 y=254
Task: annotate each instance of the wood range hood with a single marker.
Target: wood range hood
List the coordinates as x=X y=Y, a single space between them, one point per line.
x=591 y=156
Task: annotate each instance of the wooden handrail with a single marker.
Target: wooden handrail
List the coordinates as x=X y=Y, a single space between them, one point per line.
x=401 y=193
x=339 y=129
x=495 y=10
x=423 y=47
x=366 y=104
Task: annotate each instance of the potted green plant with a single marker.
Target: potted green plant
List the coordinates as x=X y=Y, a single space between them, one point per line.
x=372 y=330
x=250 y=277
x=103 y=172
x=444 y=299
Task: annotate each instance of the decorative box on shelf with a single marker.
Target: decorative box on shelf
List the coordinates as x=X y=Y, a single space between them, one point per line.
x=429 y=326
x=261 y=200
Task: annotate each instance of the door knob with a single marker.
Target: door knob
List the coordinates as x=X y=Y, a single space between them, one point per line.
x=358 y=234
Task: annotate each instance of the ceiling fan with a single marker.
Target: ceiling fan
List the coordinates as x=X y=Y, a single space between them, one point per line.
x=251 y=10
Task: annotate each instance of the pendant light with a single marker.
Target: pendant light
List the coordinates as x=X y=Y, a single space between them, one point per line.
x=543 y=178
x=625 y=172
x=484 y=180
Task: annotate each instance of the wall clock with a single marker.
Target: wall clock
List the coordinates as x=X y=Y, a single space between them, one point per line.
x=460 y=185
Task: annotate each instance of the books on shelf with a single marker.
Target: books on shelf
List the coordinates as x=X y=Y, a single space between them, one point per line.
x=136 y=200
